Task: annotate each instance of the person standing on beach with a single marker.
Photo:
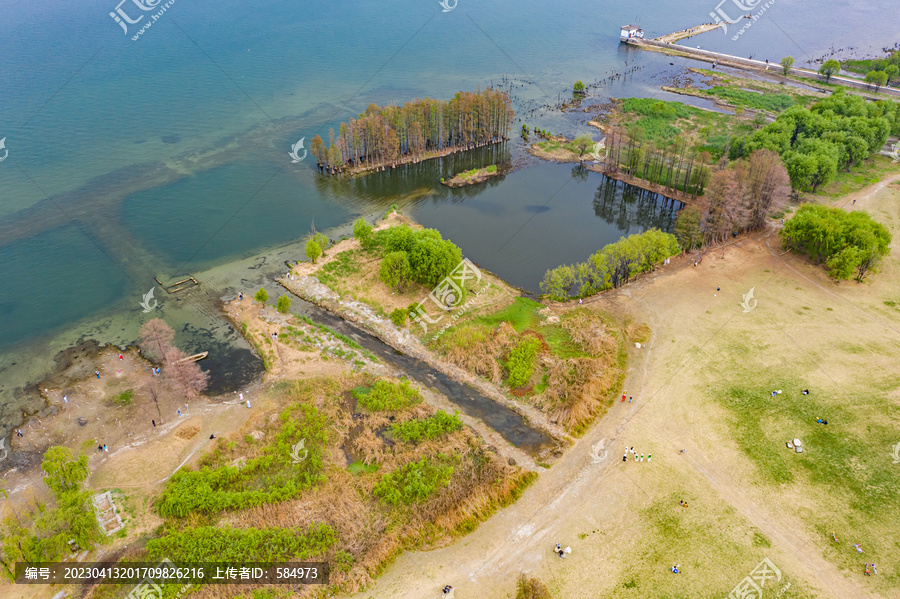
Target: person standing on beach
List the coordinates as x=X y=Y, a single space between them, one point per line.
x=97 y=372
x=154 y=423
x=66 y=398
x=105 y=448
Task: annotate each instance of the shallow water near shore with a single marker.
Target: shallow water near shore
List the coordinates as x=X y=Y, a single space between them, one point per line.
x=86 y=113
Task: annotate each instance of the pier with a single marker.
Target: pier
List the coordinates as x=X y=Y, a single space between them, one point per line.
x=686 y=33
x=745 y=63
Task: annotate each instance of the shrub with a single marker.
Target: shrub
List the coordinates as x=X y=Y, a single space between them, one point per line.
x=261 y=295
x=313 y=250
x=414 y=431
x=399 y=316
x=394 y=270
x=531 y=588
x=848 y=242
x=283 y=304
x=431 y=258
x=269 y=478
x=388 y=396
x=215 y=544
x=414 y=482
x=520 y=362
x=362 y=231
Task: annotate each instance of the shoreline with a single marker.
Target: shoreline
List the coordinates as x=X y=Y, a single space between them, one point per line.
x=598 y=167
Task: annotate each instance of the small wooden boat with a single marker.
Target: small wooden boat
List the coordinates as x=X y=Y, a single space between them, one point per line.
x=194 y=358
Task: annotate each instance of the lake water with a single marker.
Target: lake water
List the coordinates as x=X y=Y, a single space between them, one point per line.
x=168 y=155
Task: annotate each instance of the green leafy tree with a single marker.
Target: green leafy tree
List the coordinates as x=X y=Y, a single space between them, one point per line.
x=322 y=240
x=432 y=258
x=891 y=71
x=558 y=282
x=399 y=316
x=313 y=250
x=262 y=295
x=801 y=168
x=283 y=304
x=395 y=270
x=786 y=63
x=829 y=68
x=362 y=231
x=688 y=230
x=64 y=471
x=583 y=143
x=876 y=78
x=848 y=242
x=578 y=88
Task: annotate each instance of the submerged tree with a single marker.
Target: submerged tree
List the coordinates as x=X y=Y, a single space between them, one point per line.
x=386 y=135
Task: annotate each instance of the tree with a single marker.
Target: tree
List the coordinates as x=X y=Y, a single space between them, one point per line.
x=283 y=304
x=578 y=88
x=829 y=68
x=786 y=63
x=845 y=241
x=185 y=374
x=362 y=231
x=64 y=471
x=558 y=282
x=801 y=169
x=891 y=71
x=262 y=295
x=583 y=143
x=321 y=240
x=432 y=258
x=395 y=270
x=399 y=316
x=313 y=250
x=155 y=339
x=876 y=78
x=688 y=231
x=317 y=147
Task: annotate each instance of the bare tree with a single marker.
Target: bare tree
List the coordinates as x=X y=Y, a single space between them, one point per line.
x=156 y=339
x=186 y=375
x=769 y=186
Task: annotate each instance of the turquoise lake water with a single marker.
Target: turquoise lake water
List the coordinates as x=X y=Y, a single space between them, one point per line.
x=168 y=155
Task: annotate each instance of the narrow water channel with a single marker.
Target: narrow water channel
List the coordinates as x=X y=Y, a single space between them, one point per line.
x=471 y=402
